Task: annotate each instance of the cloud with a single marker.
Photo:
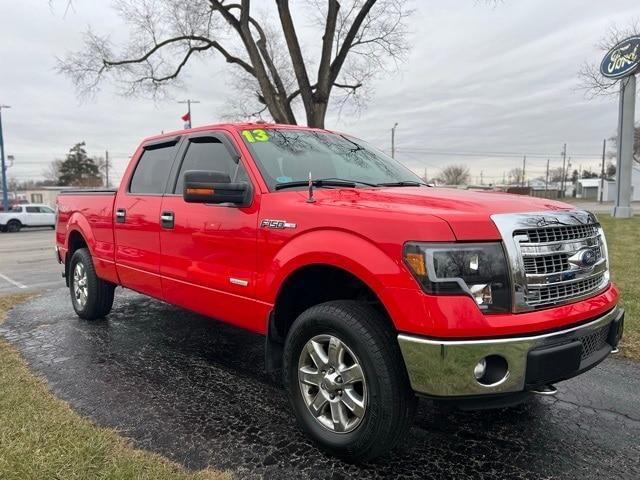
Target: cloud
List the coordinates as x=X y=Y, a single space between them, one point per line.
x=479 y=78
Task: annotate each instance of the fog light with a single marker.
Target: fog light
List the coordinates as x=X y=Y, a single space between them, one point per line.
x=480 y=369
x=491 y=370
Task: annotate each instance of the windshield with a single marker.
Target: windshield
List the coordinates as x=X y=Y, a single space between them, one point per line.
x=288 y=155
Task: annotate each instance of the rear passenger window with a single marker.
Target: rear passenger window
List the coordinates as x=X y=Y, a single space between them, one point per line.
x=152 y=171
x=33 y=210
x=210 y=154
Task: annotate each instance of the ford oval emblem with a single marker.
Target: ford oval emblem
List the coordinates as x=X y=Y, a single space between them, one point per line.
x=588 y=258
x=623 y=59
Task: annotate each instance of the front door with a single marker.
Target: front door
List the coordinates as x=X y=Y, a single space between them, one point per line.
x=137 y=219
x=209 y=251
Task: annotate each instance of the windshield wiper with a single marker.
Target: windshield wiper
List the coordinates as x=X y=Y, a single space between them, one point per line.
x=316 y=183
x=404 y=183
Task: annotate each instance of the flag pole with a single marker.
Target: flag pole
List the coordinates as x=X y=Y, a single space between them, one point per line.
x=188 y=101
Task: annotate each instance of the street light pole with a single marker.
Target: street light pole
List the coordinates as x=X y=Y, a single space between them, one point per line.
x=393 y=140
x=5 y=193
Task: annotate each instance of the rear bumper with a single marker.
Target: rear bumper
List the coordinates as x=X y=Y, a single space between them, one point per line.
x=445 y=368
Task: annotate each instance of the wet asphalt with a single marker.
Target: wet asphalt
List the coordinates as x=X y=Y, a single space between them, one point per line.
x=194 y=390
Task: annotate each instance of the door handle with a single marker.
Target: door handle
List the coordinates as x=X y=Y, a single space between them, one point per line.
x=166 y=219
x=121 y=215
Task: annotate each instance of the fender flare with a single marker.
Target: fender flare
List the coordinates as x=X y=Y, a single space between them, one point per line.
x=341 y=249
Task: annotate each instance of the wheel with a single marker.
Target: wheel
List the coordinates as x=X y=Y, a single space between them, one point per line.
x=91 y=297
x=13 y=226
x=346 y=380
x=3 y=228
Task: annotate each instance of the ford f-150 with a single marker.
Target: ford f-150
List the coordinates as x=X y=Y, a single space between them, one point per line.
x=369 y=285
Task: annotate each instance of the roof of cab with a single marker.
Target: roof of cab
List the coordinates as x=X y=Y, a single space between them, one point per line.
x=233 y=126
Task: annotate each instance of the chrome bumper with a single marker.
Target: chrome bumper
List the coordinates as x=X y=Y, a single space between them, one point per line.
x=446 y=367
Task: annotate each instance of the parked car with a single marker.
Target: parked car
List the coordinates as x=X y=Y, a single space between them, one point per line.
x=30 y=215
x=369 y=286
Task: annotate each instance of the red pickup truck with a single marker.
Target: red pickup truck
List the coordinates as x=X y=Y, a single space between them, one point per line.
x=369 y=286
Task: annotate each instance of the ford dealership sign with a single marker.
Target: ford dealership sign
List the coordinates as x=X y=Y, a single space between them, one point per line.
x=623 y=59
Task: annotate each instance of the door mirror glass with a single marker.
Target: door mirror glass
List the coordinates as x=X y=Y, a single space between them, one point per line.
x=213 y=187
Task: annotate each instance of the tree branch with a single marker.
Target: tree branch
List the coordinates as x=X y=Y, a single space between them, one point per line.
x=338 y=62
x=296 y=55
x=324 y=69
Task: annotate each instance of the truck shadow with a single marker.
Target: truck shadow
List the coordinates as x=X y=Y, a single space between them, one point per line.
x=194 y=390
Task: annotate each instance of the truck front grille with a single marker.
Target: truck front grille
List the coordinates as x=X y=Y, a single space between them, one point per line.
x=552 y=294
x=556 y=257
x=558 y=234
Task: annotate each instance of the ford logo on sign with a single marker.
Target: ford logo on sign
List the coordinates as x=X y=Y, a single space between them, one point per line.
x=623 y=59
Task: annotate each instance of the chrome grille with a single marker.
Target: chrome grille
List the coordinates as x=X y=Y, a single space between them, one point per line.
x=546 y=263
x=555 y=257
x=558 y=234
x=549 y=295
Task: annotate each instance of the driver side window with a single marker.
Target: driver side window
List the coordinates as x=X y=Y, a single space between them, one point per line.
x=210 y=154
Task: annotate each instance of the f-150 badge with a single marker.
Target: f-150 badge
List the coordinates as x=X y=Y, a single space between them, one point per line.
x=278 y=224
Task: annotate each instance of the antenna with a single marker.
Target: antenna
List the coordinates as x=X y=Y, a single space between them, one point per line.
x=310 y=199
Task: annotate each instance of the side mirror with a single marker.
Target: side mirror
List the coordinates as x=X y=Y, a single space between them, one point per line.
x=213 y=187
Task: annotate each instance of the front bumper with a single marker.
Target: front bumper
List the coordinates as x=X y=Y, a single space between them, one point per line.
x=445 y=368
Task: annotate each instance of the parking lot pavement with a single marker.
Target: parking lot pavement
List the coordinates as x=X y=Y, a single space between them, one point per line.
x=27 y=261
x=194 y=390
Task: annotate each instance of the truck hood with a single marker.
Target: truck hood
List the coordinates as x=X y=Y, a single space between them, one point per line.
x=467 y=212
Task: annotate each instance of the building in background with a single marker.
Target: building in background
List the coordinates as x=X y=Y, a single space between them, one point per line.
x=43 y=195
x=609 y=188
x=587 y=188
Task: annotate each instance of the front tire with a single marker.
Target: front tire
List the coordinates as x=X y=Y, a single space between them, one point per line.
x=13 y=226
x=91 y=296
x=346 y=380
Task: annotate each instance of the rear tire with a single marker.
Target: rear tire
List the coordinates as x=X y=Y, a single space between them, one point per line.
x=91 y=296
x=13 y=226
x=361 y=397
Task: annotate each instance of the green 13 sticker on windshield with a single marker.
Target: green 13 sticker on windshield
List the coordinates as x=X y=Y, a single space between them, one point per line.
x=253 y=136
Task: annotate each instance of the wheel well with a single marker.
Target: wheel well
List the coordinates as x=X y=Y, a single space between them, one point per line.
x=14 y=220
x=316 y=284
x=76 y=242
x=305 y=288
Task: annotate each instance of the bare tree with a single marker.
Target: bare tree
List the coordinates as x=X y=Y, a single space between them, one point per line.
x=592 y=82
x=455 y=175
x=52 y=172
x=360 y=39
x=516 y=176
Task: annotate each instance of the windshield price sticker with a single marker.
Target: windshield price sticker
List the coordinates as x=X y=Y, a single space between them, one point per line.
x=257 y=135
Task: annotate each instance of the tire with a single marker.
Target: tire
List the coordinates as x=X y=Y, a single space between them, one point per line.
x=94 y=297
x=13 y=226
x=367 y=340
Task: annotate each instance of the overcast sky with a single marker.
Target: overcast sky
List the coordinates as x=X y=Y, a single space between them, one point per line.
x=478 y=79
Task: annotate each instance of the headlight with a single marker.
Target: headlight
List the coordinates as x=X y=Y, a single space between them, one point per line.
x=475 y=269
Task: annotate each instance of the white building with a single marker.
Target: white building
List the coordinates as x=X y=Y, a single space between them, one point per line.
x=610 y=190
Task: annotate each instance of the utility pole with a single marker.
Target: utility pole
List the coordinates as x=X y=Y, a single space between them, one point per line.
x=393 y=140
x=106 y=167
x=604 y=149
x=546 y=182
x=5 y=193
x=564 y=171
x=524 y=167
x=481 y=177
x=188 y=101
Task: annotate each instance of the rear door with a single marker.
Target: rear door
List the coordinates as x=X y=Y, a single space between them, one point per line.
x=48 y=215
x=33 y=218
x=209 y=251
x=137 y=218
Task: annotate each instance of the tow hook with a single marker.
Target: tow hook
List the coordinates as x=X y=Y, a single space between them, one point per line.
x=547 y=390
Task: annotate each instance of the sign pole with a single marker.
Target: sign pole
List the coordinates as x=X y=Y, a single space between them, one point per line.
x=624 y=160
